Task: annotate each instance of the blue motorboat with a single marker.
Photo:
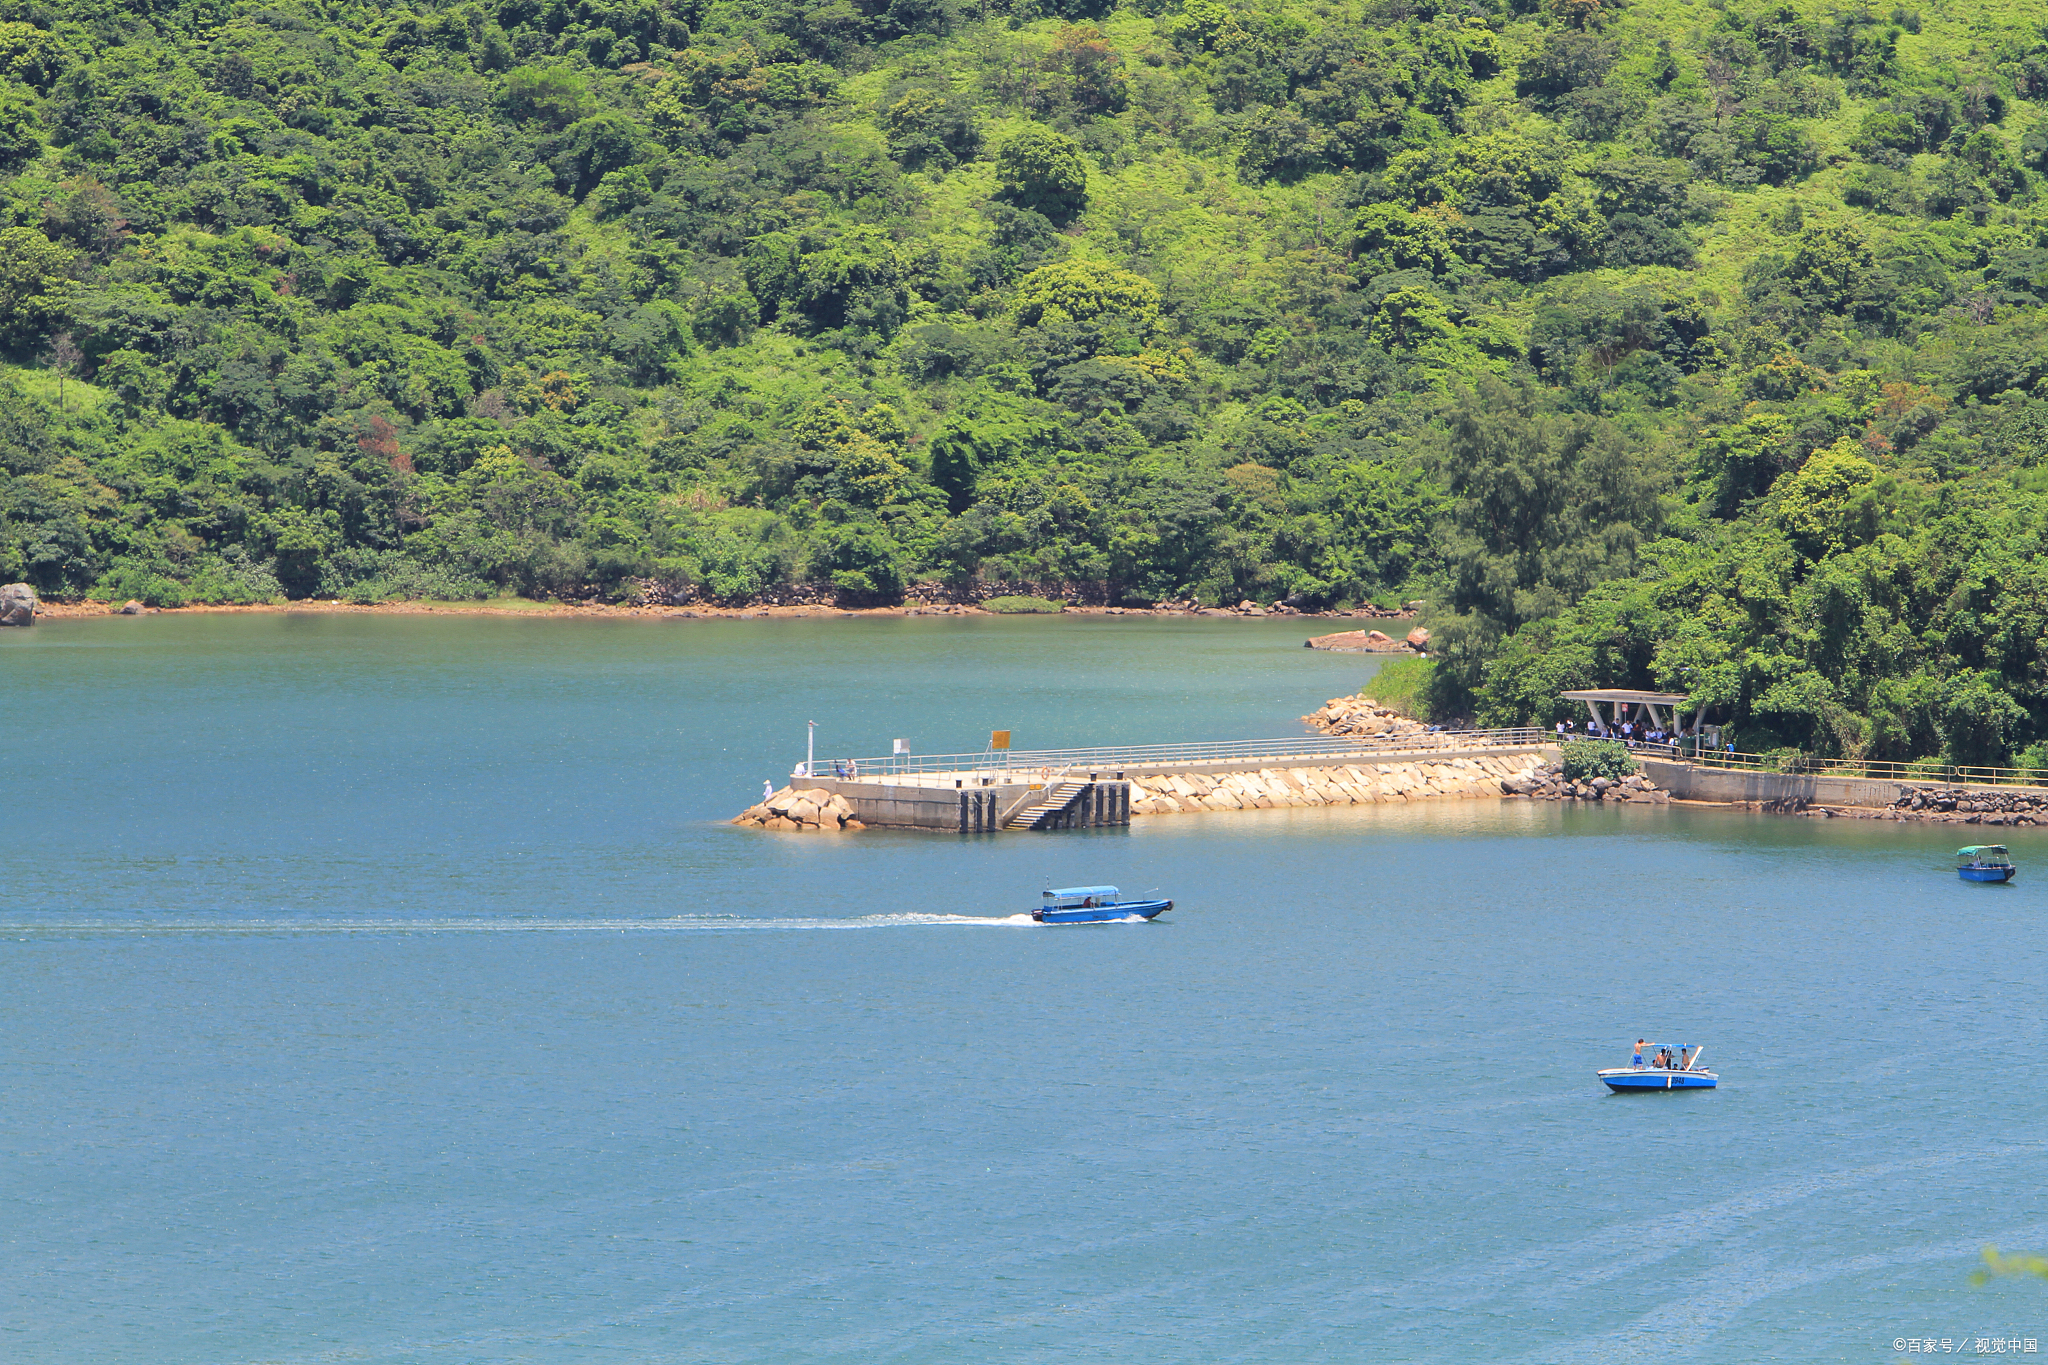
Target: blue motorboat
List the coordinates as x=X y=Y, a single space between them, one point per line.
x=1984 y=863
x=1094 y=905
x=1664 y=1071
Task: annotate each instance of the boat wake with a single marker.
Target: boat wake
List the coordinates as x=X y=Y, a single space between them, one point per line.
x=677 y=924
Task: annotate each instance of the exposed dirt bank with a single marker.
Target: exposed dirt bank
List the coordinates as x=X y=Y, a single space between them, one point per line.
x=522 y=607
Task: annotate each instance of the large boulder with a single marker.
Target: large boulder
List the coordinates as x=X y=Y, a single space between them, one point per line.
x=17 y=605
x=1418 y=638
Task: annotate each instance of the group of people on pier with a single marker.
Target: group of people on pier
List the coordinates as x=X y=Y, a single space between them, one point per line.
x=1628 y=732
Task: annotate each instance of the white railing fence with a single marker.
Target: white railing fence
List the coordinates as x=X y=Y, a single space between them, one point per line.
x=1030 y=763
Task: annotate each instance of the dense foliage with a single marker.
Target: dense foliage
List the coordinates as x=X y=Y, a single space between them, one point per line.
x=1585 y=760
x=1697 y=347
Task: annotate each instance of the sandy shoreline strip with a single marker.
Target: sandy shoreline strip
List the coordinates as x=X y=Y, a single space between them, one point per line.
x=522 y=607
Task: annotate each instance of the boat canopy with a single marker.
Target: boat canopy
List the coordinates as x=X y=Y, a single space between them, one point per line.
x=1981 y=850
x=1068 y=897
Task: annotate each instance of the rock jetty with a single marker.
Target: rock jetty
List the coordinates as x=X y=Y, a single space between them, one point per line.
x=1546 y=782
x=1962 y=806
x=1361 y=715
x=1349 y=784
x=810 y=811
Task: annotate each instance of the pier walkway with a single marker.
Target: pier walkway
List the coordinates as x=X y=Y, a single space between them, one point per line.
x=1080 y=788
x=1039 y=765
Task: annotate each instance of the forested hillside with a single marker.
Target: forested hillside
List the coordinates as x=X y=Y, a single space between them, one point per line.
x=1696 y=345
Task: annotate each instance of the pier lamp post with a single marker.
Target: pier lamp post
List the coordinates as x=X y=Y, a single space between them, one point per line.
x=810 y=748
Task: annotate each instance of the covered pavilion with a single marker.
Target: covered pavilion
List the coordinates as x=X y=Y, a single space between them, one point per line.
x=1622 y=703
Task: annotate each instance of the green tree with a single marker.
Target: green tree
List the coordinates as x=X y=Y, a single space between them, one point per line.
x=1981 y=723
x=1040 y=170
x=1831 y=266
x=1831 y=503
x=34 y=283
x=1082 y=290
x=1544 y=507
x=551 y=96
x=926 y=128
x=20 y=129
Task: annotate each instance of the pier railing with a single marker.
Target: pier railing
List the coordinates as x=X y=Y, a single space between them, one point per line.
x=1928 y=772
x=1923 y=771
x=1032 y=763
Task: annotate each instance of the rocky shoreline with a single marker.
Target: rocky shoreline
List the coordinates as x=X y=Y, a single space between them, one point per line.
x=1943 y=805
x=526 y=607
x=1370 y=642
x=1546 y=782
x=1361 y=716
x=810 y=811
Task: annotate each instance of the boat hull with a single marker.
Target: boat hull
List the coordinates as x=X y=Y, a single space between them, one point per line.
x=1632 y=1078
x=1103 y=914
x=1986 y=874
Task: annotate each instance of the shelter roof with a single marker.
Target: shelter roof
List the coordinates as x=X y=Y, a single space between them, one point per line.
x=1625 y=694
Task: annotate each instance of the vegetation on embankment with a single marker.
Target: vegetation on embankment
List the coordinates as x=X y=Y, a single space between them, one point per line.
x=1696 y=347
x=1022 y=606
x=1403 y=685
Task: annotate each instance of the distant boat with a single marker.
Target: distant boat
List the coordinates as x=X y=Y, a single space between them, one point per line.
x=1985 y=863
x=1094 y=905
x=1686 y=1074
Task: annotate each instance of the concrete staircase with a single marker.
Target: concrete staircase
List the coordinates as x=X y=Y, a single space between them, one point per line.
x=1055 y=799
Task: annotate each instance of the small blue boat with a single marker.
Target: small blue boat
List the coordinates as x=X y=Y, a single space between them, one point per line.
x=1985 y=863
x=1664 y=1072
x=1094 y=905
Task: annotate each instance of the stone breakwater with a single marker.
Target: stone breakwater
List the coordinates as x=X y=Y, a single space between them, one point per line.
x=1348 y=784
x=1948 y=806
x=1362 y=716
x=811 y=811
x=1546 y=782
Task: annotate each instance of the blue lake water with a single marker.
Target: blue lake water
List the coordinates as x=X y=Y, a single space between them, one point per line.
x=387 y=989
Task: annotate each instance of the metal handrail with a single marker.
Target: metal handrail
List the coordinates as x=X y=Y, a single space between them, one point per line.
x=1027 y=762
x=1923 y=770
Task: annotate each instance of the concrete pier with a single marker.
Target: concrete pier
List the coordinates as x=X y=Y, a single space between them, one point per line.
x=1107 y=796
x=1102 y=793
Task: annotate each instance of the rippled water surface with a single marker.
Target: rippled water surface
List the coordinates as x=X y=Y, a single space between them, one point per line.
x=387 y=990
